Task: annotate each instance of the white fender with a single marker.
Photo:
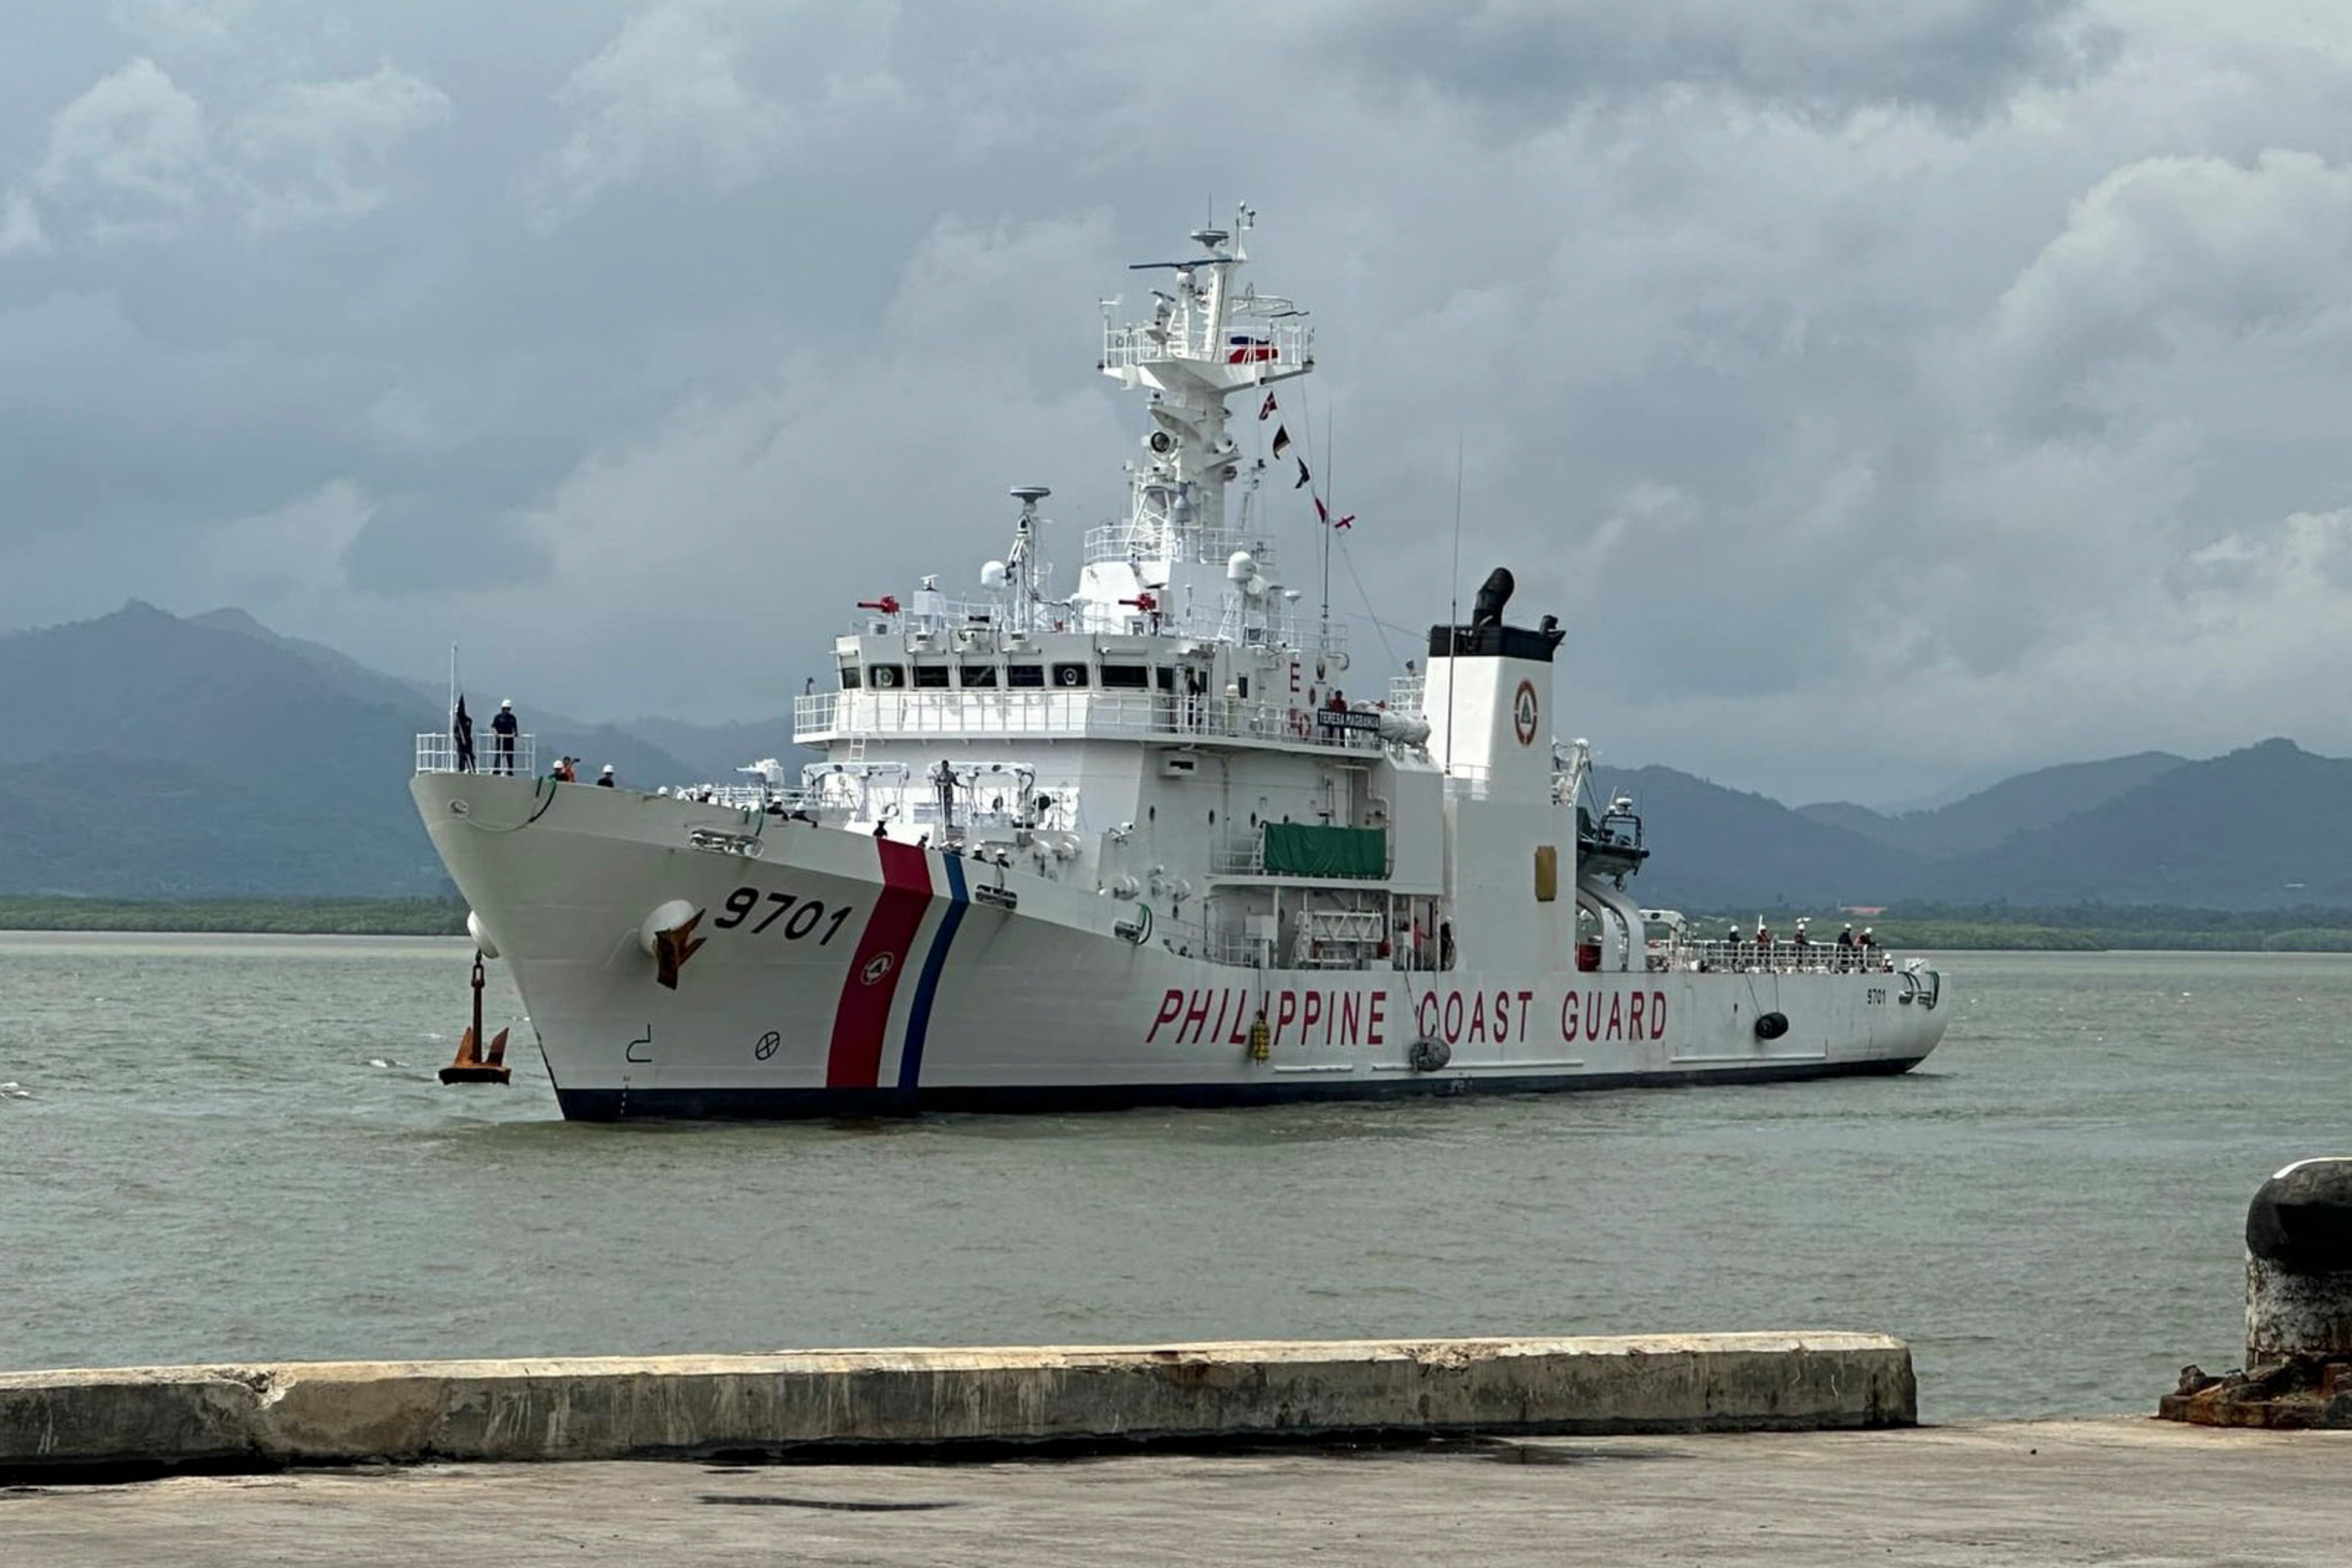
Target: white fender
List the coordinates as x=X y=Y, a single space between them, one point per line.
x=481 y=935
x=665 y=916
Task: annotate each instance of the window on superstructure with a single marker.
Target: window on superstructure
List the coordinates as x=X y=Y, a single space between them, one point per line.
x=930 y=675
x=851 y=677
x=976 y=676
x=1127 y=677
x=886 y=678
x=1024 y=674
x=1166 y=678
x=1070 y=677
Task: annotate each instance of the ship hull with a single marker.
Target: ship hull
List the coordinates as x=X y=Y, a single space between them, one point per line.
x=830 y=974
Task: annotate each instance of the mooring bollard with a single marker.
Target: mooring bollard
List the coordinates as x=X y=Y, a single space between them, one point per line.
x=2299 y=1264
x=2298 y=1368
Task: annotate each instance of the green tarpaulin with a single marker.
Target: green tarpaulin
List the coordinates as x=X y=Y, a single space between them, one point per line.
x=1303 y=849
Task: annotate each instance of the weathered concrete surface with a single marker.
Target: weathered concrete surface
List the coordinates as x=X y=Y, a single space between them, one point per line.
x=2127 y=1493
x=329 y=1413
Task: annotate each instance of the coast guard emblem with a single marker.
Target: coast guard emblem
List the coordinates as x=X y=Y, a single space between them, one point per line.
x=876 y=968
x=1523 y=713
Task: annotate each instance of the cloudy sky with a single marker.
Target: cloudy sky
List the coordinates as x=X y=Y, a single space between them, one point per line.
x=1884 y=395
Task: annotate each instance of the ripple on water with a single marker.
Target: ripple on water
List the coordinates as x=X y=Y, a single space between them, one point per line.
x=239 y=1150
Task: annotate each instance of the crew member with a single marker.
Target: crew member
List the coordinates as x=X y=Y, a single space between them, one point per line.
x=504 y=727
x=605 y=778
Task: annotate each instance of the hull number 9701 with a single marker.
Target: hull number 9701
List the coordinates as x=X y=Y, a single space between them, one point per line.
x=806 y=914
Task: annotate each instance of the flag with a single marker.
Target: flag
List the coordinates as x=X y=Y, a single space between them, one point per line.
x=461 y=731
x=1281 y=439
x=1322 y=512
x=1266 y=408
x=1241 y=348
x=1343 y=522
x=1303 y=475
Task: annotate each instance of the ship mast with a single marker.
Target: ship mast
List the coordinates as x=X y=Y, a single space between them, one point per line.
x=1210 y=336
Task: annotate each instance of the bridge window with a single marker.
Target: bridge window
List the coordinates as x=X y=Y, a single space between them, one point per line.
x=976 y=676
x=886 y=678
x=1068 y=676
x=851 y=677
x=1126 y=677
x=1024 y=674
x=930 y=674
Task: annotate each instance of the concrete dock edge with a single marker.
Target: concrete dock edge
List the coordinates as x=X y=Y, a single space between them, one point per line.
x=809 y=1402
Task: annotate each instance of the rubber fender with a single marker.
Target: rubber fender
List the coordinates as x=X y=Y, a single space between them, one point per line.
x=1429 y=1055
x=1771 y=1026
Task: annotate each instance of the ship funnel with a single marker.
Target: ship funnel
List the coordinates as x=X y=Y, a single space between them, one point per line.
x=1487 y=696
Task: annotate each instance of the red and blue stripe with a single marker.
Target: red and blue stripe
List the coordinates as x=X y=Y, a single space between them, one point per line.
x=861 y=1020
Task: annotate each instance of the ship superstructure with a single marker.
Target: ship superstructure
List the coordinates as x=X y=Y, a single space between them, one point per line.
x=1134 y=841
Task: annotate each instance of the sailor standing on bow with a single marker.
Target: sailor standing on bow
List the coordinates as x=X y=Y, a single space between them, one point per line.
x=504 y=727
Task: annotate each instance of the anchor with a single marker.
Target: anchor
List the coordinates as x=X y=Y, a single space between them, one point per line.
x=471 y=1066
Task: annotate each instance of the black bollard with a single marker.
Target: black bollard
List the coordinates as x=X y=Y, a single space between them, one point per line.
x=2299 y=1264
x=2298 y=1370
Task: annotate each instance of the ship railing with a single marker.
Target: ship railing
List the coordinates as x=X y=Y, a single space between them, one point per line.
x=1780 y=957
x=436 y=752
x=1406 y=694
x=1149 y=539
x=745 y=796
x=1281 y=345
x=821 y=717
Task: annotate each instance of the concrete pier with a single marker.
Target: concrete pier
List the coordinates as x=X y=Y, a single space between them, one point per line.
x=1978 y=1495
x=934 y=1401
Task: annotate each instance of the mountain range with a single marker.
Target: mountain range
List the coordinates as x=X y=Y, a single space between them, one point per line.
x=149 y=754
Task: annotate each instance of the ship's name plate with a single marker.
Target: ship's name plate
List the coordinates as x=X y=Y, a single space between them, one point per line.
x=1333 y=718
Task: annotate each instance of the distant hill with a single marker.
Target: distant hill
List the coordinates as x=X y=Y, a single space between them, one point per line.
x=1716 y=848
x=1977 y=822
x=2259 y=828
x=141 y=755
x=633 y=754
x=146 y=756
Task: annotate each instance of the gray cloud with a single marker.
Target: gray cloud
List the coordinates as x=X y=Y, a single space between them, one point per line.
x=1879 y=397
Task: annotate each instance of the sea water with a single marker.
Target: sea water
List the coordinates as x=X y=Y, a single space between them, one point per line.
x=235 y=1148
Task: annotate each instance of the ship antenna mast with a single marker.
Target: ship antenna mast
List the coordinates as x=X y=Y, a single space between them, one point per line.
x=1453 y=614
x=1021 y=562
x=1331 y=482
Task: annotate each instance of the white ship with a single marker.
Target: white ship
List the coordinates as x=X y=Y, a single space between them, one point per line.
x=1129 y=844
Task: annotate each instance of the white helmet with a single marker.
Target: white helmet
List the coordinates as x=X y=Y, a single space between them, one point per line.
x=508 y=703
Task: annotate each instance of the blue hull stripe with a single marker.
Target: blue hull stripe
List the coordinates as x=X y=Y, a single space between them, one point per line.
x=919 y=1016
x=611 y=1104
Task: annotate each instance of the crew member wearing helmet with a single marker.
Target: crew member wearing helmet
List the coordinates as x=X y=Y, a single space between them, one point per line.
x=504 y=727
x=605 y=777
